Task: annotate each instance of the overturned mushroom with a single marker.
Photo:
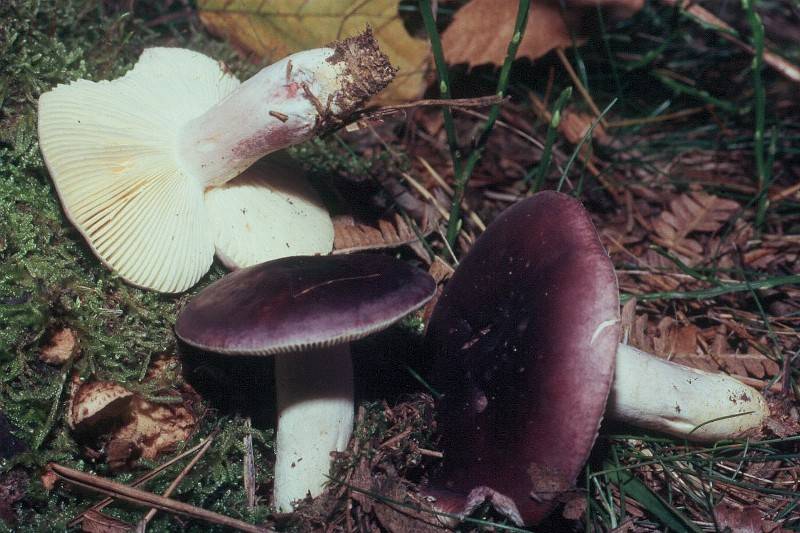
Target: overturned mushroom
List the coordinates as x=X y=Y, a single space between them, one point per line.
x=525 y=339
x=139 y=162
x=304 y=311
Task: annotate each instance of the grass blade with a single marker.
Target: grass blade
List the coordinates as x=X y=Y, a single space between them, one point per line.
x=651 y=502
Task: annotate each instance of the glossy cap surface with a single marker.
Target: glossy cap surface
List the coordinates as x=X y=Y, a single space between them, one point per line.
x=524 y=338
x=299 y=303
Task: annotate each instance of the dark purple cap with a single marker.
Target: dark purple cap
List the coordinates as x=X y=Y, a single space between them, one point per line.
x=524 y=338
x=299 y=303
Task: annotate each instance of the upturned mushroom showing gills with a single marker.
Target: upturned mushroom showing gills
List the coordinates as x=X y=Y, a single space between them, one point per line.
x=304 y=311
x=525 y=338
x=143 y=164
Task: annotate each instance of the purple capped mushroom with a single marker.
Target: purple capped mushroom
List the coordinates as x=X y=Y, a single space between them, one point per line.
x=526 y=344
x=304 y=311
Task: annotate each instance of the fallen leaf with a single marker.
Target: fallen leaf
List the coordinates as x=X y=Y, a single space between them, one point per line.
x=680 y=343
x=736 y=364
x=275 y=29
x=481 y=30
x=440 y=272
x=135 y=427
x=59 y=348
x=351 y=235
x=94 y=522
x=153 y=428
x=689 y=213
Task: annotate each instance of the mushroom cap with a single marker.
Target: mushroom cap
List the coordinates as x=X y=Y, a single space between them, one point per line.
x=299 y=303
x=112 y=151
x=524 y=338
x=268 y=212
x=110 y=147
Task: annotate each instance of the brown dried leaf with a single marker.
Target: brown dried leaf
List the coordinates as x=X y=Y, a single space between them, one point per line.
x=351 y=235
x=736 y=364
x=94 y=522
x=695 y=212
x=481 y=30
x=153 y=429
x=440 y=272
x=59 y=348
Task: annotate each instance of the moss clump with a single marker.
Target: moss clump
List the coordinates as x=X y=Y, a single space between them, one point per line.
x=49 y=279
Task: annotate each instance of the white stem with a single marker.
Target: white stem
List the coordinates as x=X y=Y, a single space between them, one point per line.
x=656 y=394
x=268 y=112
x=315 y=417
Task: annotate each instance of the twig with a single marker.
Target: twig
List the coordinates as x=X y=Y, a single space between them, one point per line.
x=581 y=89
x=139 y=481
x=481 y=101
x=389 y=443
x=140 y=497
x=142 y=525
x=521 y=134
x=249 y=467
x=626 y=122
x=430 y=453
x=701 y=14
x=429 y=197
x=473 y=216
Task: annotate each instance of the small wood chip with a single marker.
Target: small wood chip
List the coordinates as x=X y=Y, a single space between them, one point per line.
x=280 y=116
x=60 y=348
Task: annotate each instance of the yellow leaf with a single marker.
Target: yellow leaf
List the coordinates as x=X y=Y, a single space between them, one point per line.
x=481 y=30
x=274 y=29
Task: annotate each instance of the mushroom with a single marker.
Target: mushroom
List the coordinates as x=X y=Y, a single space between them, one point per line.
x=304 y=311
x=141 y=163
x=526 y=341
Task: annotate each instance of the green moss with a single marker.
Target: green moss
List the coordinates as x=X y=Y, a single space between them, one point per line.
x=49 y=278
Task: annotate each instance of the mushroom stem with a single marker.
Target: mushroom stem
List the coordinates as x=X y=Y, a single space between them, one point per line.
x=315 y=417
x=286 y=103
x=656 y=394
